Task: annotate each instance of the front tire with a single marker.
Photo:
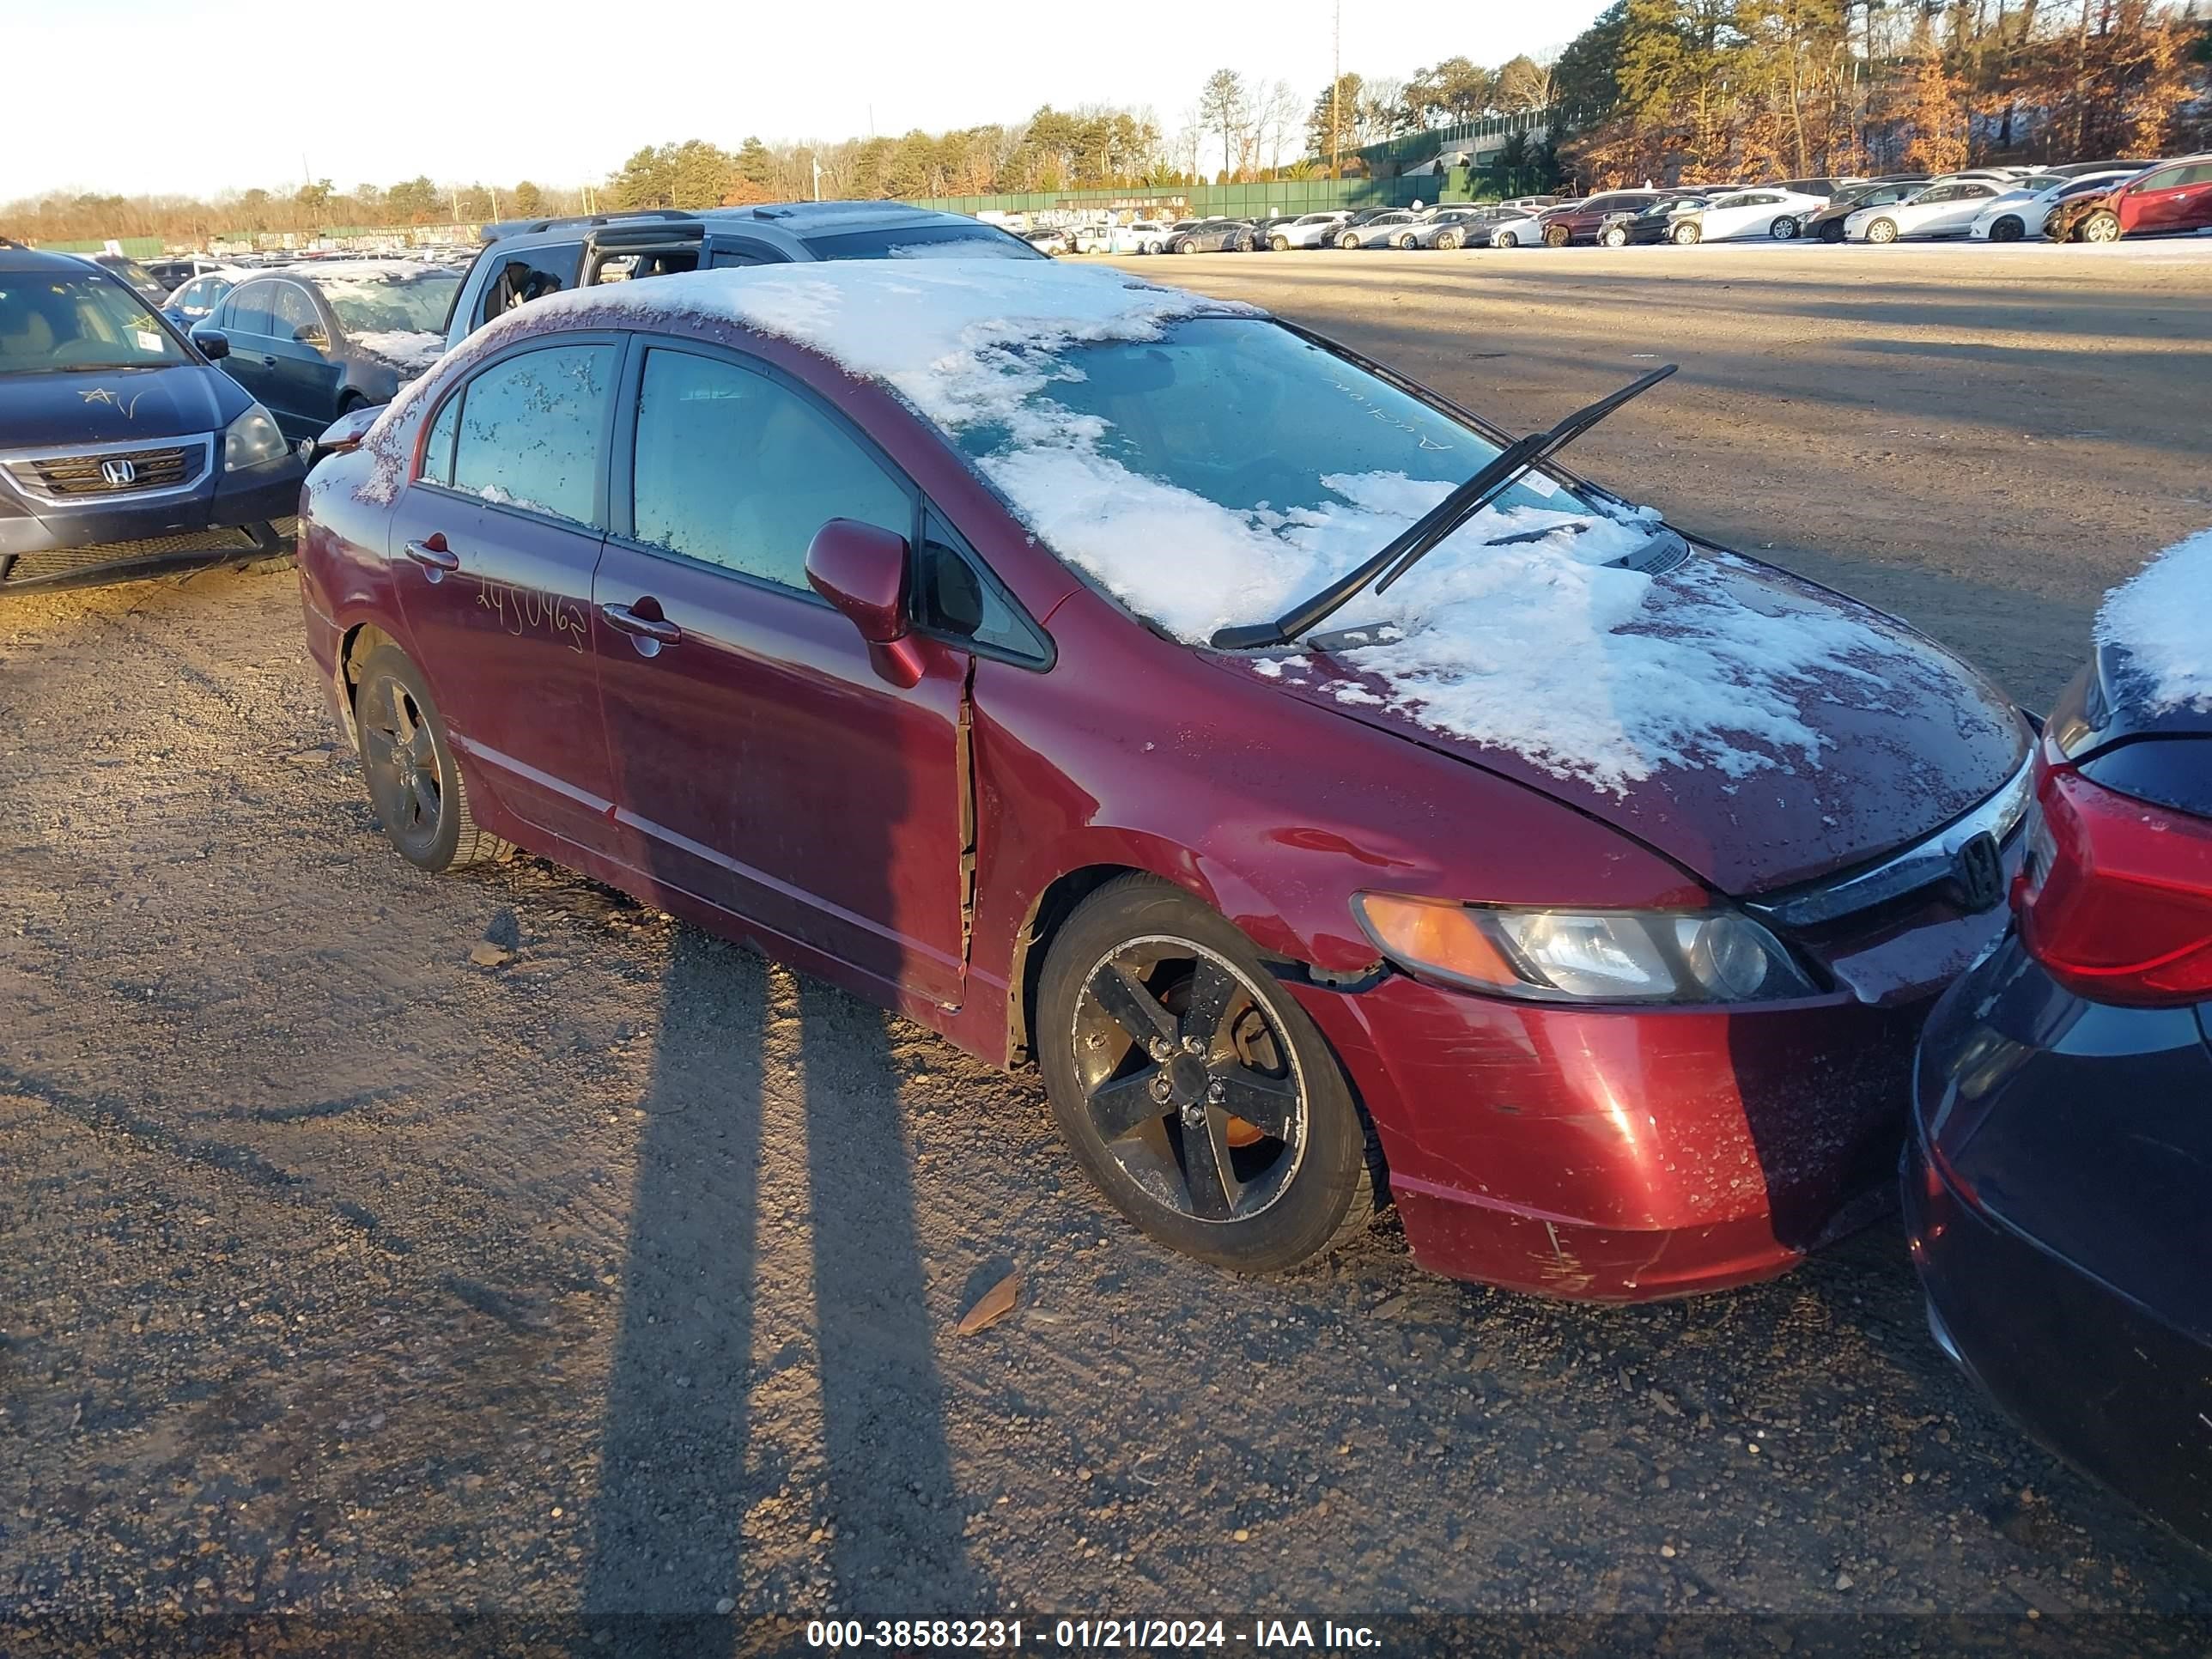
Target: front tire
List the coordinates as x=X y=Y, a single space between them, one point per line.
x=2008 y=230
x=1349 y=240
x=414 y=781
x=1883 y=231
x=1280 y=244
x=1557 y=236
x=1448 y=239
x=1195 y=1093
x=1505 y=238
x=1832 y=231
x=2102 y=226
x=1613 y=236
x=1685 y=235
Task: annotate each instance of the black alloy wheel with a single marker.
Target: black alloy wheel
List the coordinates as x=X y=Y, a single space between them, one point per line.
x=1196 y=1093
x=414 y=781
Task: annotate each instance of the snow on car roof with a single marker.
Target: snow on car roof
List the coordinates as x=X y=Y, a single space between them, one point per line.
x=1544 y=647
x=365 y=270
x=2162 y=618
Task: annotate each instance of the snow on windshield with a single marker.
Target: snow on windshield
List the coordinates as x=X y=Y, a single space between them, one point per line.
x=1540 y=646
x=2162 y=618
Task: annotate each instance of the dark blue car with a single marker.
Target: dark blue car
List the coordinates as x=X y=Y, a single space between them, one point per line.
x=2058 y=1185
x=123 y=452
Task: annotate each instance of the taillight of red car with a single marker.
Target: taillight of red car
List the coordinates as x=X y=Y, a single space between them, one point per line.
x=2115 y=898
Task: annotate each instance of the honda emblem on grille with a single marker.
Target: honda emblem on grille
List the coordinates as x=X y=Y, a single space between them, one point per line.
x=1977 y=872
x=118 y=472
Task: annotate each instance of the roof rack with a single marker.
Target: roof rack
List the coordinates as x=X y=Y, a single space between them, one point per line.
x=507 y=227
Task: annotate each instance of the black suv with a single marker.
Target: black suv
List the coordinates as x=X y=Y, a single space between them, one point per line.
x=123 y=452
x=526 y=259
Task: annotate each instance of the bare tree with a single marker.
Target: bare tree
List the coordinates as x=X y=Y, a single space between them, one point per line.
x=1224 y=108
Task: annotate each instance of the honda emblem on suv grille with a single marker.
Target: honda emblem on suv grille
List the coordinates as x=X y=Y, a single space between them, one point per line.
x=1977 y=872
x=118 y=472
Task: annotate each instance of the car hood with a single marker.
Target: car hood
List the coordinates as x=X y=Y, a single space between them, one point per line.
x=1891 y=769
x=115 y=406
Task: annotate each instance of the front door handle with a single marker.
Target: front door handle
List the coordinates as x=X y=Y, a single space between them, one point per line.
x=658 y=630
x=268 y=362
x=436 y=559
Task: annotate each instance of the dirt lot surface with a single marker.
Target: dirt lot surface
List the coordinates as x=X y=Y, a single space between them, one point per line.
x=602 y=1291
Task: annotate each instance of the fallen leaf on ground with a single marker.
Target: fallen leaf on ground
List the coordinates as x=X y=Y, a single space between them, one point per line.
x=487 y=955
x=993 y=1305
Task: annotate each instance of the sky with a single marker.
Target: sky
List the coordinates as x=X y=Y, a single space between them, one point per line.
x=200 y=96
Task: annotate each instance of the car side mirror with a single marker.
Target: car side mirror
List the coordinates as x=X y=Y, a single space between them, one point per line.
x=862 y=569
x=212 y=341
x=309 y=334
x=345 y=433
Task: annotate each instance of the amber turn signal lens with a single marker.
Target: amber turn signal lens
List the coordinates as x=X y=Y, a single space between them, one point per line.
x=1438 y=934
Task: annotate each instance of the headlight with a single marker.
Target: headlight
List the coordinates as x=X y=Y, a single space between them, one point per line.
x=252 y=439
x=1566 y=956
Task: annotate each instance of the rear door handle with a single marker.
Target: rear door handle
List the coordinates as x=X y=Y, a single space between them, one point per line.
x=433 y=555
x=658 y=630
x=268 y=362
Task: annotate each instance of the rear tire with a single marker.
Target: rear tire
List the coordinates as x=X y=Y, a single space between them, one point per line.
x=414 y=780
x=1784 y=229
x=1155 y=1128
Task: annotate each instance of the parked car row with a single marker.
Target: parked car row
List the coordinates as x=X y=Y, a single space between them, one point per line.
x=2088 y=201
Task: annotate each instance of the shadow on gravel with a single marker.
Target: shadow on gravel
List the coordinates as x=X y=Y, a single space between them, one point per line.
x=669 y=1571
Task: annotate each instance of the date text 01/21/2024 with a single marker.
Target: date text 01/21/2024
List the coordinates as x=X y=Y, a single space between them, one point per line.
x=1087 y=1635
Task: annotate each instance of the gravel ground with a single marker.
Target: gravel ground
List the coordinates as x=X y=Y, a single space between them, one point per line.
x=599 y=1295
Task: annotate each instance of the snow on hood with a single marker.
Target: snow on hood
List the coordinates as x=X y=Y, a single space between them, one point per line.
x=1544 y=648
x=2162 y=619
x=405 y=348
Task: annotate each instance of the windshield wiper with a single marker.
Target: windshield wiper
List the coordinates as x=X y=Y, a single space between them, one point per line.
x=1414 y=543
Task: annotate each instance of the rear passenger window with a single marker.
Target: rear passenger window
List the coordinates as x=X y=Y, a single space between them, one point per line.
x=737 y=470
x=249 y=311
x=532 y=430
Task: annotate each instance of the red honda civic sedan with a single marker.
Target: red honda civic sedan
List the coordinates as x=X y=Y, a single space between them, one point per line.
x=1334 y=798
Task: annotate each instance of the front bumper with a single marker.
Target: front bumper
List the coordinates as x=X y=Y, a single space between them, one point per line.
x=1624 y=1155
x=240 y=516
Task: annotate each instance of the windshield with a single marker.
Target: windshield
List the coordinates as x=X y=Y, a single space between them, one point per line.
x=973 y=241
x=1309 y=462
x=391 y=304
x=133 y=273
x=51 y=321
